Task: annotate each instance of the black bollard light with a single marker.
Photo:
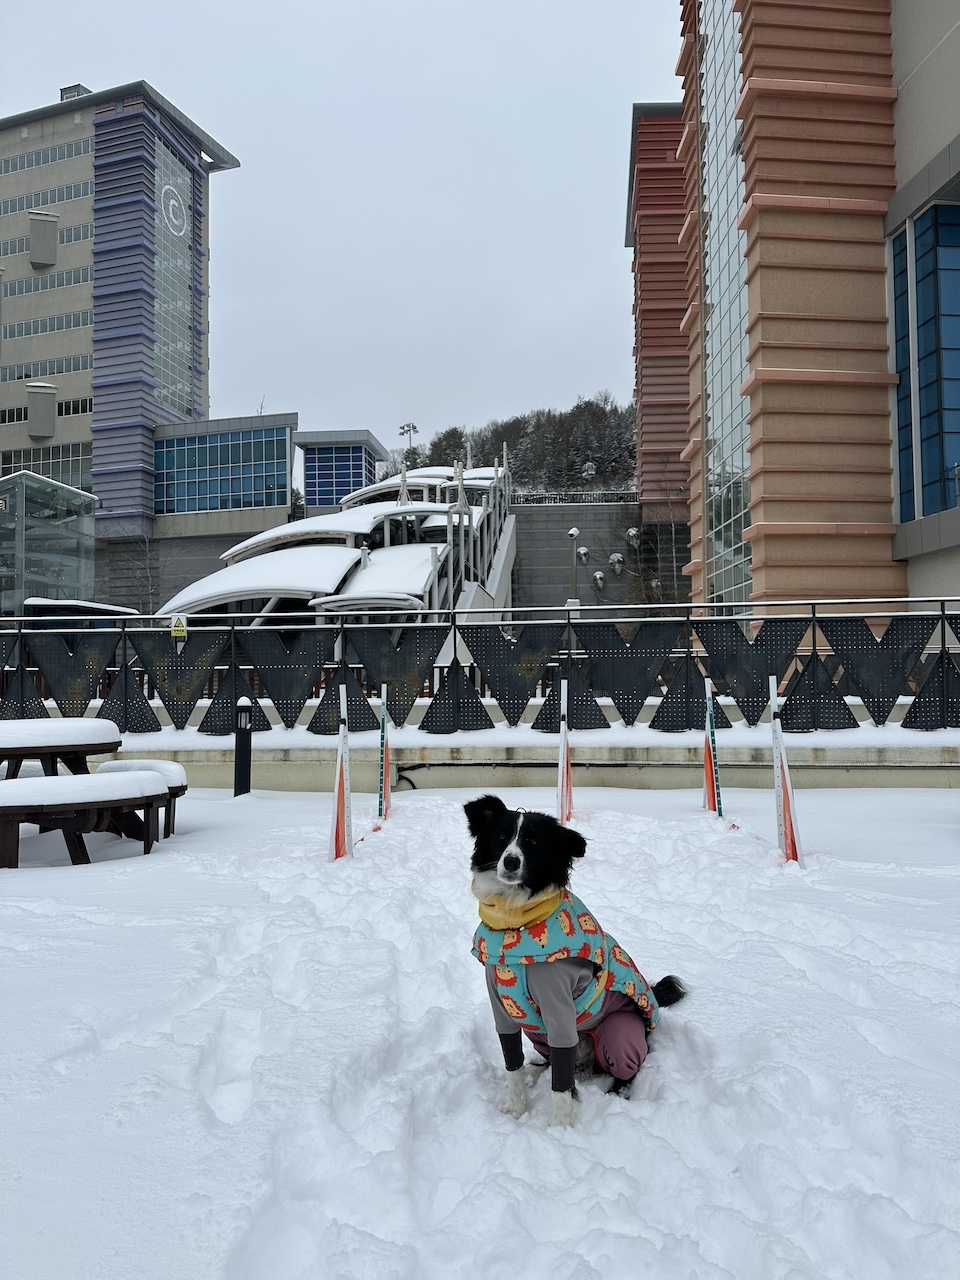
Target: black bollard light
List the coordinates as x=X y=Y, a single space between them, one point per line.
x=242 y=746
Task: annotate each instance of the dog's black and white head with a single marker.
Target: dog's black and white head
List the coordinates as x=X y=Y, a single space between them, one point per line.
x=518 y=855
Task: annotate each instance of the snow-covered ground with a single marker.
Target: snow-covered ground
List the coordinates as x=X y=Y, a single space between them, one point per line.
x=233 y=1059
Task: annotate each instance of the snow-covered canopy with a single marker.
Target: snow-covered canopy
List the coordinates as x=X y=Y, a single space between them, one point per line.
x=79 y=607
x=345 y=525
x=298 y=573
x=436 y=478
x=391 y=576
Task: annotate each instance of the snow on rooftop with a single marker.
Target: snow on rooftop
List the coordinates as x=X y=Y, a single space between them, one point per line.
x=393 y=572
x=298 y=572
x=442 y=476
x=440 y=521
x=351 y=521
x=81 y=606
x=235 y=1059
x=68 y=731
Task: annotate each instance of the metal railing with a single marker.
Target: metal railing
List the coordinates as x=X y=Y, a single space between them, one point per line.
x=586 y=497
x=465 y=669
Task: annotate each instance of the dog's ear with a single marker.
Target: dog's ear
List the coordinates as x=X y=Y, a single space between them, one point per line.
x=572 y=843
x=480 y=813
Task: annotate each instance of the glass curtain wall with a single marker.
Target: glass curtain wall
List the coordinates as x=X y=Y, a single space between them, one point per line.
x=926 y=315
x=726 y=462
x=173 y=309
x=46 y=541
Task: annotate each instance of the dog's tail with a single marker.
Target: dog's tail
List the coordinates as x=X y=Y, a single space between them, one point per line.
x=669 y=990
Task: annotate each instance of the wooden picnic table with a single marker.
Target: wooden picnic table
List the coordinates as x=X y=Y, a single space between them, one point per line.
x=69 y=740
x=75 y=806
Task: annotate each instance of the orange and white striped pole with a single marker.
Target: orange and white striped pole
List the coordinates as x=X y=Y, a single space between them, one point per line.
x=341 y=824
x=788 y=835
x=565 y=775
x=383 y=807
x=711 y=769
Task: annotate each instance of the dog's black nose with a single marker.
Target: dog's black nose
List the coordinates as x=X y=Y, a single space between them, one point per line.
x=511 y=862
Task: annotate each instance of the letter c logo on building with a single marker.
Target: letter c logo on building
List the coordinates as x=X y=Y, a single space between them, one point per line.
x=174 y=210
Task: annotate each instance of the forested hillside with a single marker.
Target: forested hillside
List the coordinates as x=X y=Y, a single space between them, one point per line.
x=590 y=446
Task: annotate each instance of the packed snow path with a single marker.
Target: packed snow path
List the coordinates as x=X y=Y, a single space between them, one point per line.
x=234 y=1059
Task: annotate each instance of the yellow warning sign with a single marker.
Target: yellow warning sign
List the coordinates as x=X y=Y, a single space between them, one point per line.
x=179 y=629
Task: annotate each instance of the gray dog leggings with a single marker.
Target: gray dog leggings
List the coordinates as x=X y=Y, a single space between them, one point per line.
x=619 y=1038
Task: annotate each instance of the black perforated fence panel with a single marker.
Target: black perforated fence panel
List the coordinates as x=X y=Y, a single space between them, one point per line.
x=627 y=671
x=878 y=669
x=288 y=665
x=910 y=656
x=513 y=660
x=400 y=658
x=742 y=669
x=73 y=666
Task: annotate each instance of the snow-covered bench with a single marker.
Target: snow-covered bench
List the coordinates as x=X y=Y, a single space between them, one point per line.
x=175 y=775
x=75 y=805
x=69 y=741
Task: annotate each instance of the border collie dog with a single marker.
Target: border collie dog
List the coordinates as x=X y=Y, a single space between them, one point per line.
x=552 y=972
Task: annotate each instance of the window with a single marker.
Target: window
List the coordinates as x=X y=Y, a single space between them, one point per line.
x=928 y=401
x=9 y=247
x=68 y=463
x=65 y=409
x=221 y=471
x=40 y=199
x=45 y=368
x=330 y=472
x=174 y=307
x=48 y=324
x=70 y=235
x=49 y=155
x=68 y=408
x=54 y=280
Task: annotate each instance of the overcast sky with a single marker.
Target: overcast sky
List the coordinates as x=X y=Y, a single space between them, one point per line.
x=428 y=224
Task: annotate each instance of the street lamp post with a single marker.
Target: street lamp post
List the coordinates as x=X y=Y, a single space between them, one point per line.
x=573 y=534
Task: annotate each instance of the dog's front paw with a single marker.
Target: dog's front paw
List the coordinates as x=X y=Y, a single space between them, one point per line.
x=515 y=1103
x=566 y=1110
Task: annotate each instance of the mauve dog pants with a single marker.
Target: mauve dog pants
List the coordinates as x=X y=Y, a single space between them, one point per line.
x=619 y=1038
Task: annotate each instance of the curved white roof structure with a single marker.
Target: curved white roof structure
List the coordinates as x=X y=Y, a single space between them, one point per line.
x=438 y=480
x=343 y=526
x=299 y=573
x=401 y=576
x=377 y=554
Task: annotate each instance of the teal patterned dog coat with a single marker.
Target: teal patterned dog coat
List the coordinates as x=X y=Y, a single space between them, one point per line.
x=569 y=933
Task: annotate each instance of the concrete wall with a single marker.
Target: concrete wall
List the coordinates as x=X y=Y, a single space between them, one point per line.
x=542 y=570
x=926 y=58
x=143 y=573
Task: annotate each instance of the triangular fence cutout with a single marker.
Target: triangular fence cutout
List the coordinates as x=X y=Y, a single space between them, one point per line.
x=937 y=702
x=404 y=669
x=583 y=712
x=512 y=661
x=742 y=670
x=812 y=702
x=289 y=671
x=627 y=673
x=456 y=704
x=21 y=700
x=878 y=669
x=221 y=716
x=72 y=675
x=360 y=715
x=126 y=706
x=179 y=678
x=684 y=704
